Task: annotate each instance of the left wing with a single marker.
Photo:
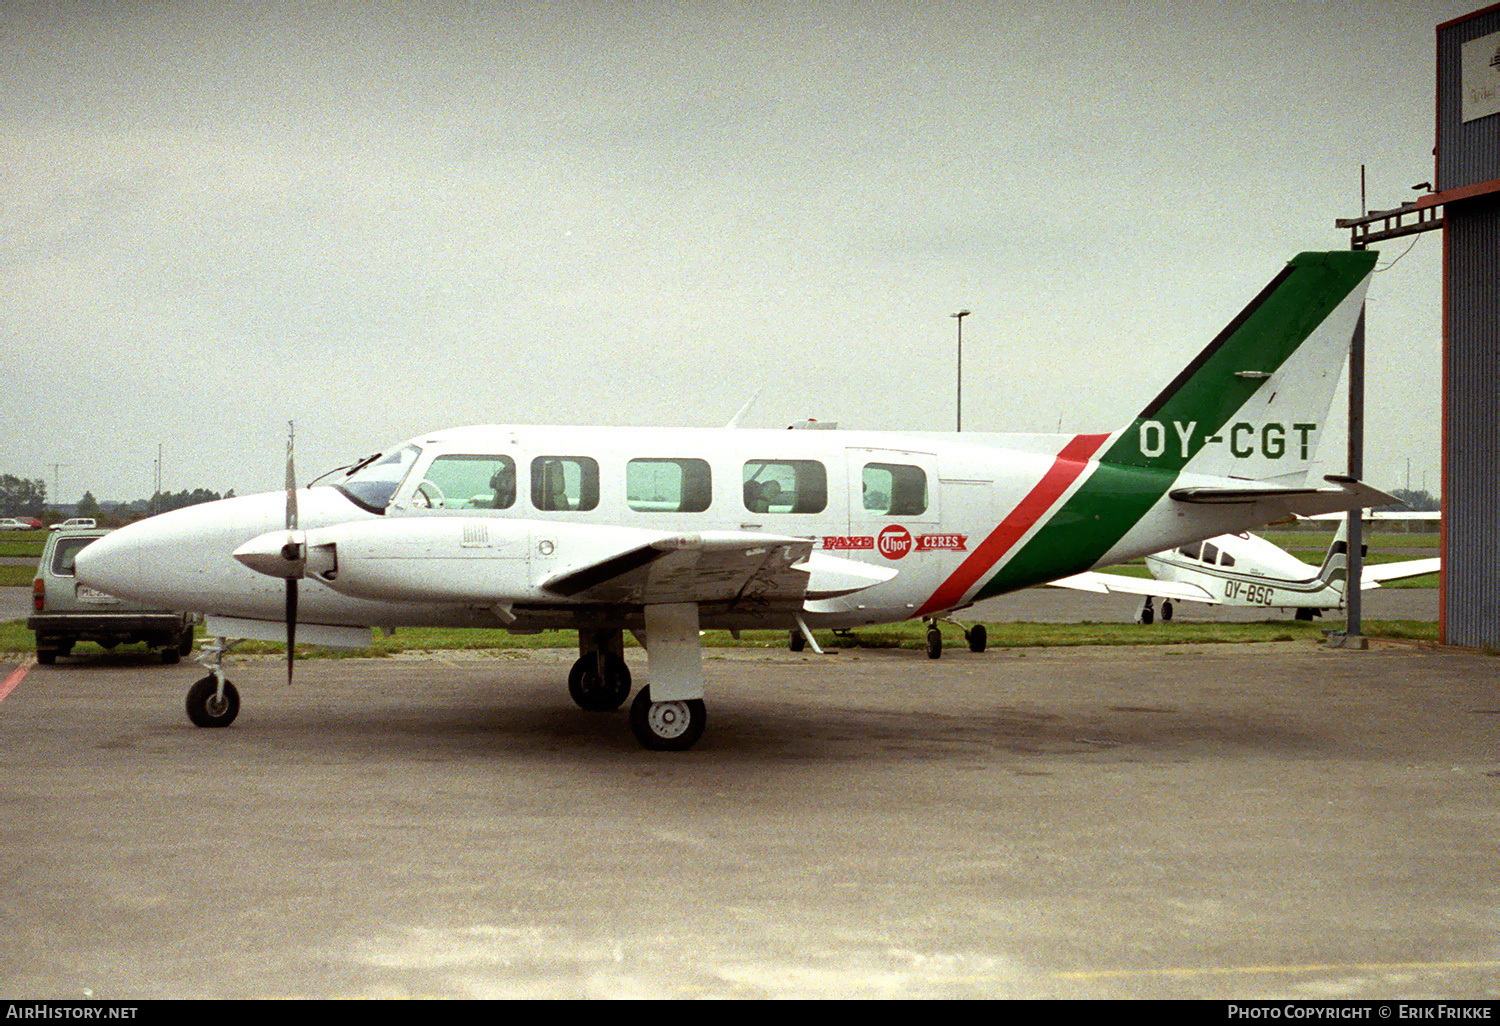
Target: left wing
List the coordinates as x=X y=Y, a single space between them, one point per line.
x=715 y=566
x=1110 y=584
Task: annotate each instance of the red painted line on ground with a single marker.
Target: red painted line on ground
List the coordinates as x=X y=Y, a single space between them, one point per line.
x=1067 y=467
x=16 y=676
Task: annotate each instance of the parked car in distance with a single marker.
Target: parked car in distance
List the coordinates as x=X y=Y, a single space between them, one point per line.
x=32 y=523
x=76 y=524
x=12 y=524
x=65 y=612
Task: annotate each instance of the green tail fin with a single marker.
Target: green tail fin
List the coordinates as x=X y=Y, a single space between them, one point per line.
x=1253 y=403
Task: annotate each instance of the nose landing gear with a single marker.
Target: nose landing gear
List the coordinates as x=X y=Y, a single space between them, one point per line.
x=213 y=701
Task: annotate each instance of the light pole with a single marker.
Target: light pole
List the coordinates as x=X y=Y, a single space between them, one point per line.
x=960 y=318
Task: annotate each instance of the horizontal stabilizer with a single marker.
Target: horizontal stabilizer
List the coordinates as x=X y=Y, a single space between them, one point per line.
x=1347 y=494
x=1371 y=575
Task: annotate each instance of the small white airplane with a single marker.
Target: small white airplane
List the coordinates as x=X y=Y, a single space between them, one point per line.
x=1246 y=570
x=666 y=531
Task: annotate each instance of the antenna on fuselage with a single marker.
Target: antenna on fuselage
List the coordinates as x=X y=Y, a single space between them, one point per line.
x=734 y=421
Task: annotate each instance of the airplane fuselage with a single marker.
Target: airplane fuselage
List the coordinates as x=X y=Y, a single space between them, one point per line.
x=956 y=518
x=1247 y=570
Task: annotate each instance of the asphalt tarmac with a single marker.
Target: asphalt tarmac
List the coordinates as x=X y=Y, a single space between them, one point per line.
x=1218 y=821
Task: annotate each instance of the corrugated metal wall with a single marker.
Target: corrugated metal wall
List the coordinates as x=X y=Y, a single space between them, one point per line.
x=1467 y=152
x=1471 y=560
x=1469 y=155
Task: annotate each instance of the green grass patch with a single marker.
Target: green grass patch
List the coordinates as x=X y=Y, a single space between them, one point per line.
x=23 y=543
x=17 y=576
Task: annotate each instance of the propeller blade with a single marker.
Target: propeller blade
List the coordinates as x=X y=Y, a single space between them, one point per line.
x=291 y=480
x=291 y=626
x=295 y=545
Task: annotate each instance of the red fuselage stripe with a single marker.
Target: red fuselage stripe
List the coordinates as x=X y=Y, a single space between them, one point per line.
x=1070 y=463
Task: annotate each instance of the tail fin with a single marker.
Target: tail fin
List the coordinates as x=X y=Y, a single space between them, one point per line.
x=1253 y=403
x=1335 y=568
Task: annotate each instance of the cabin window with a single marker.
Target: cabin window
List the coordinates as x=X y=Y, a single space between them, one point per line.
x=785 y=486
x=468 y=481
x=564 y=483
x=1225 y=559
x=1210 y=553
x=668 y=485
x=895 y=489
x=1190 y=551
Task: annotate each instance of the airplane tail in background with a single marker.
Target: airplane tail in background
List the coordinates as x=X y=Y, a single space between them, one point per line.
x=1335 y=568
x=1253 y=403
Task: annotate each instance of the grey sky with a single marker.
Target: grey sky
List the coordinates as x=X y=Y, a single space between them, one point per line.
x=381 y=221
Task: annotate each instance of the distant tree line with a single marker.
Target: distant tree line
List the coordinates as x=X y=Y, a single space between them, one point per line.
x=20 y=497
x=1416 y=500
x=162 y=502
x=24 y=497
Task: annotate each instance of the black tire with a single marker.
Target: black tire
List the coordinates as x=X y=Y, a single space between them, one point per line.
x=798 y=641
x=979 y=638
x=46 y=656
x=1166 y=611
x=934 y=643
x=1147 y=615
x=185 y=641
x=667 y=726
x=594 y=694
x=204 y=711
x=170 y=655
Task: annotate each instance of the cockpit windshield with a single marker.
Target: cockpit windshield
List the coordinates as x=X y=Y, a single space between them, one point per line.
x=372 y=485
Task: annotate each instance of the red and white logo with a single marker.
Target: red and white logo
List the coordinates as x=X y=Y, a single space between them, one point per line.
x=894 y=542
x=942 y=542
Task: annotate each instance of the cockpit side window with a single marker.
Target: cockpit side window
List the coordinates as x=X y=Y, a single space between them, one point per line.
x=468 y=481
x=373 y=485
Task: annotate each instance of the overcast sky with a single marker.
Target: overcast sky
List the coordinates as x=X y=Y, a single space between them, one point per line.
x=380 y=220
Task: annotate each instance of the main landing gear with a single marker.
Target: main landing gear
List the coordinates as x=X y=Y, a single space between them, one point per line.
x=600 y=681
x=977 y=637
x=1147 y=614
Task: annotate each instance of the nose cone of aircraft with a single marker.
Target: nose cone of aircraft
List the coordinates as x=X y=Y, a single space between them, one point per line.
x=112 y=564
x=181 y=559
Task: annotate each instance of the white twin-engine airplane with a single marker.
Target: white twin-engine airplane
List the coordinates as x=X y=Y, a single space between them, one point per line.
x=663 y=531
x=1247 y=570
